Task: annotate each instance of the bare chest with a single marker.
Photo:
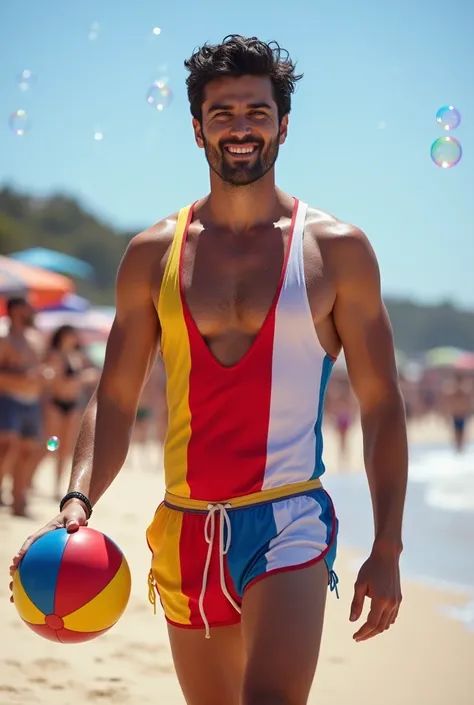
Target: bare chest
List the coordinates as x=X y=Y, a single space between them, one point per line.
x=230 y=285
x=23 y=355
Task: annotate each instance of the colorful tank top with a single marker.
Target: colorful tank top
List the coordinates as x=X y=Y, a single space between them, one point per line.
x=255 y=426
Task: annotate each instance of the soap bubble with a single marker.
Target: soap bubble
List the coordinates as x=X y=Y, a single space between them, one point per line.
x=156 y=31
x=19 y=122
x=26 y=79
x=448 y=117
x=160 y=95
x=52 y=444
x=93 y=31
x=446 y=152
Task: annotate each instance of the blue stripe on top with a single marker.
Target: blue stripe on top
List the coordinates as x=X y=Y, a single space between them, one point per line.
x=319 y=468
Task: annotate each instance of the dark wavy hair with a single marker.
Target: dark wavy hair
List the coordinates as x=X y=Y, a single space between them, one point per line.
x=241 y=56
x=58 y=335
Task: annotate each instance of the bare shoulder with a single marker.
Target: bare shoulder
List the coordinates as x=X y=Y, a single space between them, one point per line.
x=145 y=258
x=345 y=249
x=153 y=244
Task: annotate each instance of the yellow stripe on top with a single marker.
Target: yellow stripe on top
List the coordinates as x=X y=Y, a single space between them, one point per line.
x=177 y=359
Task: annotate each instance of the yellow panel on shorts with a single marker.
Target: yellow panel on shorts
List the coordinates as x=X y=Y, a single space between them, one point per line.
x=26 y=608
x=106 y=608
x=164 y=536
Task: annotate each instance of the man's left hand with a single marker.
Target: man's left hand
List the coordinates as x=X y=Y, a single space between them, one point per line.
x=379 y=580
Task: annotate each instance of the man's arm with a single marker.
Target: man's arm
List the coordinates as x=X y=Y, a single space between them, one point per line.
x=104 y=437
x=365 y=332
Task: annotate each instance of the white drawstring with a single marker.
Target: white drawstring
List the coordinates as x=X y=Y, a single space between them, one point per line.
x=223 y=549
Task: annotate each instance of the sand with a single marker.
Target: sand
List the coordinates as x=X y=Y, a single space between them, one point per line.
x=426 y=659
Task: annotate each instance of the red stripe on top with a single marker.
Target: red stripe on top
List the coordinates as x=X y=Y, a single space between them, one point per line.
x=90 y=561
x=230 y=407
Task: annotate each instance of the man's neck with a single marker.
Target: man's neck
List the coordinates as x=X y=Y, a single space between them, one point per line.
x=241 y=208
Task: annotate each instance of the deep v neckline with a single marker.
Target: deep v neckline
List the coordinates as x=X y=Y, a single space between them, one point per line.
x=191 y=323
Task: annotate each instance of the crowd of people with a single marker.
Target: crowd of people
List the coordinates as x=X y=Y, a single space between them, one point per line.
x=46 y=382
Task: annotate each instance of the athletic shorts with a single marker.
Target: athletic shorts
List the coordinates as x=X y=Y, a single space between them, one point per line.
x=23 y=419
x=459 y=423
x=203 y=561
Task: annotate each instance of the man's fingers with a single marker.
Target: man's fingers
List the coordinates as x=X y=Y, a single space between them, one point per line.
x=72 y=526
x=378 y=620
x=28 y=543
x=360 y=591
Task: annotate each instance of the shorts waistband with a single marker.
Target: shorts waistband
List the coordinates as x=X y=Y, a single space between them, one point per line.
x=248 y=500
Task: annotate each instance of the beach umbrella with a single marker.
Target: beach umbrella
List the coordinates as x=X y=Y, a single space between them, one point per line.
x=444 y=356
x=10 y=284
x=90 y=320
x=70 y=302
x=43 y=287
x=55 y=262
x=465 y=362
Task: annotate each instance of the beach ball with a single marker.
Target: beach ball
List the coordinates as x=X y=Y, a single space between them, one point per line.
x=72 y=587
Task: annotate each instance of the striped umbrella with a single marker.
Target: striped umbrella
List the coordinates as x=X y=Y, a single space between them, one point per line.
x=465 y=362
x=444 y=356
x=10 y=284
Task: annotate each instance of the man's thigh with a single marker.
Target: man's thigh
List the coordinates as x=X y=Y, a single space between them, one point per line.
x=210 y=671
x=282 y=624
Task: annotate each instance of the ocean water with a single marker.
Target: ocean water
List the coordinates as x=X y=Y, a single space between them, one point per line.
x=438 y=526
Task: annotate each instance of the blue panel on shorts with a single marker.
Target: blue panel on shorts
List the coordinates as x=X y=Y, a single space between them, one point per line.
x=252 y=530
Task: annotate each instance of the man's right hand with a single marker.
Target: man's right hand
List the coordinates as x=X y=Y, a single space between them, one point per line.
x=71 y=518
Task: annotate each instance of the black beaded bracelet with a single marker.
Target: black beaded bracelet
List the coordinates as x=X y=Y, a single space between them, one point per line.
x=76 y=495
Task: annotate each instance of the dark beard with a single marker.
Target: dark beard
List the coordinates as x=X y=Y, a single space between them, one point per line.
x=242 y=174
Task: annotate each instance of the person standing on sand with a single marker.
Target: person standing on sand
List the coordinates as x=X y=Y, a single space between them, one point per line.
x=250 y=294
x=22 y=381
x=457 y=400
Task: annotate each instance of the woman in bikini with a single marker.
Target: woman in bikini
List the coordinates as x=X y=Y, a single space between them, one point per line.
x=73 y=374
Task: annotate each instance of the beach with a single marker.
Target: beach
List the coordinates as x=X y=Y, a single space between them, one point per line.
x=425 y=659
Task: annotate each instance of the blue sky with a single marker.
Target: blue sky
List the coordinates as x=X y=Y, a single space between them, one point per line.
x=362 y=123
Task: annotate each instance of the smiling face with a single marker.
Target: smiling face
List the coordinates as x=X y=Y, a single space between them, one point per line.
x=240 y=130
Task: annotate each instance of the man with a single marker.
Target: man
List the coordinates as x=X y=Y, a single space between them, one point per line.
x=249 y=316
x=21 y=386
x=458 y=403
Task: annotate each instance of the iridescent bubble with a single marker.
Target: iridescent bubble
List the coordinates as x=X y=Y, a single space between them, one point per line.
x=93 y=31
x=160 y=95
x=448 y=117
x=156 y=31
x=25 y=79
x=52 y=444
x=19 y=122
x=98 y=135
x=446 y=152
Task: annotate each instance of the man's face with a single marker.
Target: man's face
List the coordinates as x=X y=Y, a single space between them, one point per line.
x=23 y=315
x=240 y=131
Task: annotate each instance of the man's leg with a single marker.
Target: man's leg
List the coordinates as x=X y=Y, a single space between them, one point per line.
x=210 y=671
x=282 y=623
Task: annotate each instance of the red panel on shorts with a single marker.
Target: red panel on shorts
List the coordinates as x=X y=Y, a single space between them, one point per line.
x=86 y=550
x=193 y=552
